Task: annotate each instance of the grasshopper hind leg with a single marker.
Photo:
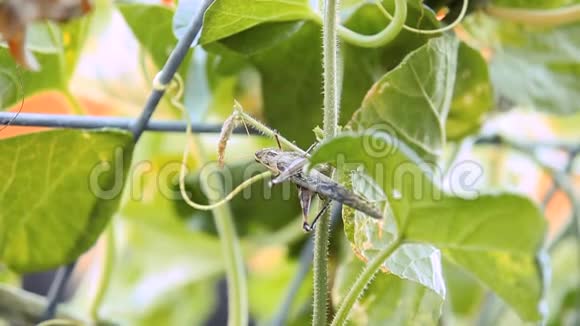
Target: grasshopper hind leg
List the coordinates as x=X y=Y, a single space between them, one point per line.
x=324 y=208
x=305 y=197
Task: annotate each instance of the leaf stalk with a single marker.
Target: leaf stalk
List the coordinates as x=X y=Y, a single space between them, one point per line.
x=362 y=282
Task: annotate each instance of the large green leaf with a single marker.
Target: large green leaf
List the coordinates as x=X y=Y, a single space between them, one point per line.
x=402 y=176
x=287 y=56
x=414 y=98
x=472 y=96
x=59 y=189
x=465 y=293
x=497 y=238
x=533 y=67
x=388 y=300
x=500 y=245
x=228 y=17
x=363 y=67
x=56 y=48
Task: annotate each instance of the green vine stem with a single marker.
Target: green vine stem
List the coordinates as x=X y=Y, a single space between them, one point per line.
x=543 y=17
x=462 y=13
x=238 y=306
x=105 y=273
x=373 y=41
x=223 y=201
x=331 y=114
x=362 y=282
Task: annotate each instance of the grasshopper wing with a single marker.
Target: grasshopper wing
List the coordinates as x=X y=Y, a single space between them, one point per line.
x=293 y=168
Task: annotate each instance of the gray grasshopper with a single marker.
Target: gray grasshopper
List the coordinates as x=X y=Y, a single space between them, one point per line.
x=289 y=166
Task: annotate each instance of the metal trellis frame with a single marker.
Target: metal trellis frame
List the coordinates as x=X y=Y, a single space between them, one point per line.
x=137 y=126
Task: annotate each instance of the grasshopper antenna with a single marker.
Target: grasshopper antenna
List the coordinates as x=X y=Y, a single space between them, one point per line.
x=277 y=140
x=309 y=227
x=311 y=148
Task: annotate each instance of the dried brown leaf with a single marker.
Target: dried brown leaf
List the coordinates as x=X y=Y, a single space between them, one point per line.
x=16 y=15
x=227 y=129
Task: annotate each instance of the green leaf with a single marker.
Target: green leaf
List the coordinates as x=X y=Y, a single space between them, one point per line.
x=363 y=67
x=419 y=263
x=56 y=48
x=414 y=98
x=472 y=96
x=388 y=300
x=59 y=190
x=535 y=68
x=402 y=176
x=228 y=17
x=287 y=56
x=157 y=39
x=482 y=242
x=476 y=234
x=465 y=293
x=416 y=262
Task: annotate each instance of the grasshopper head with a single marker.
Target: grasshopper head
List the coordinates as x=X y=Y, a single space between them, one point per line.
x=268 y=157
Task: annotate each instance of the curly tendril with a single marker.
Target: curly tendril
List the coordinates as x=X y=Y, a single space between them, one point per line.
x=428 y=31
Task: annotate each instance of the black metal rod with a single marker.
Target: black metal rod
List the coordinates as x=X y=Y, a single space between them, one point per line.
x=98 y=122
x=56 y=290
x=169 y=69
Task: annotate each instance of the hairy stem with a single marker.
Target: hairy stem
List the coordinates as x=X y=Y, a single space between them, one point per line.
x=232 y=252
x=330 y=66
x=306 y=256
x=539 y=17
x=331 y=114
x=372 y=41
x=106 y=271
x=362 y=282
